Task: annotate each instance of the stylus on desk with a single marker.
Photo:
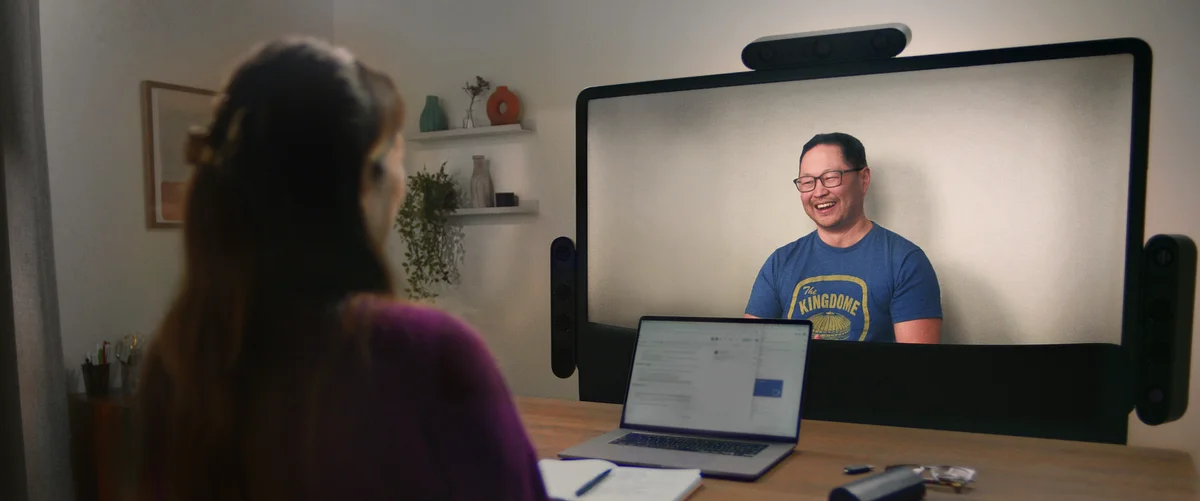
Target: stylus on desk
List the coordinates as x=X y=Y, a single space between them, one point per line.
x=592 y=483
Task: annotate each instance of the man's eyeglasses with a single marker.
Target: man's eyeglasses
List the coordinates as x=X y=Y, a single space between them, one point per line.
x=952 y=476
x=831 y=179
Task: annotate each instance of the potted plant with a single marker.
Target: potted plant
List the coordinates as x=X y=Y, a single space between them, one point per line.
x=433 y=245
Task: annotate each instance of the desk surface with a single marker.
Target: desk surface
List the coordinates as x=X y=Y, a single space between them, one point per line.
x=1009 y=468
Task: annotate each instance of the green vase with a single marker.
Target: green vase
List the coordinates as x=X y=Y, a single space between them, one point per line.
x=433 y=117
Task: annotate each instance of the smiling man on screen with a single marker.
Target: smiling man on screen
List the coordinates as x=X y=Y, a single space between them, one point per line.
x=856 y=280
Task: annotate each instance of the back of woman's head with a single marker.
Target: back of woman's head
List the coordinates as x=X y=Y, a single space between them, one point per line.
x=296 y=181
x=299 y=132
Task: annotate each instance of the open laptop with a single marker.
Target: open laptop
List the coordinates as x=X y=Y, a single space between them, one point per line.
x=718 y=394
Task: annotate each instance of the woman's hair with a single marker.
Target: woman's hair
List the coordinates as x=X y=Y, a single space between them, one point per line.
x=259 y=350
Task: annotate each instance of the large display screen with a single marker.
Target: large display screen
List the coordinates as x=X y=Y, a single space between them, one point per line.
x=997 y=199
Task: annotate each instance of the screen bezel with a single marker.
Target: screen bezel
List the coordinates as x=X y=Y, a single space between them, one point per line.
x=807 y=324
x=1138 y=150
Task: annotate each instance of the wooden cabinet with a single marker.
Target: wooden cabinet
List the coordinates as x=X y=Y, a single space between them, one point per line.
x=103 y=447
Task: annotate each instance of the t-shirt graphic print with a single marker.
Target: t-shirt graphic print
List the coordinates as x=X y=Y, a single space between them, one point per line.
x=837 y=305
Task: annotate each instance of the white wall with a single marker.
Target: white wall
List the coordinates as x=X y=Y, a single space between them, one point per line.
x=114 y=275
x=549 y=50
x=504 y=290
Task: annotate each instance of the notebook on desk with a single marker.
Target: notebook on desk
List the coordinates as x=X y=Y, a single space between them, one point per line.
x=564 y=479
x=721 y=395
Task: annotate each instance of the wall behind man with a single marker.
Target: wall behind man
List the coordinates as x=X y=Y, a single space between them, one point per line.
x=114 y=275
x=550 y=50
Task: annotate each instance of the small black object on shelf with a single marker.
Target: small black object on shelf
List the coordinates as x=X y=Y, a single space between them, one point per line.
x=506 y=199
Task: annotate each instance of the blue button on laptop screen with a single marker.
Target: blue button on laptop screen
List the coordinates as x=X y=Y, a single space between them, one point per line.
x=768 y=388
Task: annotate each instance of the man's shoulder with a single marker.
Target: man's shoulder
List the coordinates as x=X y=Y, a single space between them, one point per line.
x=789 y=255
x=898 y=244
x=906 y=256
x=791 y=248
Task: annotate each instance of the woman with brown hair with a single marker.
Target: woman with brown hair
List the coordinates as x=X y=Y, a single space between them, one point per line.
x=284 y=369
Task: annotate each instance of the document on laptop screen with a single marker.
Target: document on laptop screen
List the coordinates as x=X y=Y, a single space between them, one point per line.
x=718 y=376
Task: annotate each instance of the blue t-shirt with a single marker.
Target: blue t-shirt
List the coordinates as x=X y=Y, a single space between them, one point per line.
x=854 y=293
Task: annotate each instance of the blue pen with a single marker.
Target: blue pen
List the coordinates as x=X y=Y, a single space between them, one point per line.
x=592 y=483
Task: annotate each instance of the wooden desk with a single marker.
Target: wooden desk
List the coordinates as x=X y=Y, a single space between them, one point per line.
x=1009 y=468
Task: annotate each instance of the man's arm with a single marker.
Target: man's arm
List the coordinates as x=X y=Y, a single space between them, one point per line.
x=917 y=303
x=764 y=300
x=922 y=331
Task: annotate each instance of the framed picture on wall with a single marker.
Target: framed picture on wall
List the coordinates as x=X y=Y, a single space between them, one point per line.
x=168 y=111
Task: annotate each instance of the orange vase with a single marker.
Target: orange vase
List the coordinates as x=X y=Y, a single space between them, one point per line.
x=507 y=114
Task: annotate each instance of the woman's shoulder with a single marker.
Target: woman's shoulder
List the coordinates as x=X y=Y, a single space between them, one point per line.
x=392 y=318
x=417 y=328
x=445 y=344
x=397 y=315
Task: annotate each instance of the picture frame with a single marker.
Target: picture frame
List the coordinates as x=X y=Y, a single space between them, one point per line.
x=168 y=112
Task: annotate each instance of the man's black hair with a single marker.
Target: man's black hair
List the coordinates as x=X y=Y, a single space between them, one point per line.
x=852 y=149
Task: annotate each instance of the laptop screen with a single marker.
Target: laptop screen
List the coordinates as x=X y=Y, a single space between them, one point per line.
x=721 y=376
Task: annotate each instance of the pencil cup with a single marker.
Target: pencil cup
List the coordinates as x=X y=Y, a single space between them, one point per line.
x=95 y=379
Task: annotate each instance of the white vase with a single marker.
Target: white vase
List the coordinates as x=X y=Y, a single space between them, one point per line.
x=469 y=121
x=482 y=193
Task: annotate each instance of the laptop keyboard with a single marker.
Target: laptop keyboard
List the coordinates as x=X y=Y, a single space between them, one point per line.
x=689 y=444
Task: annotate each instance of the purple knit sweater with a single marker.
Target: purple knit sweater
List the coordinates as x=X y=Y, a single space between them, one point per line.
x=452 y=431
x=437 y=424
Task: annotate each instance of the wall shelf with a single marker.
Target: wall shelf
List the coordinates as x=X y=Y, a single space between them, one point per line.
x=525 y=207
x=493 y=130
